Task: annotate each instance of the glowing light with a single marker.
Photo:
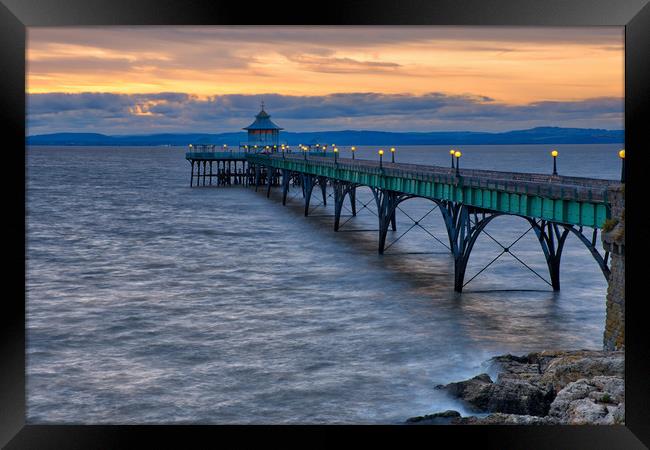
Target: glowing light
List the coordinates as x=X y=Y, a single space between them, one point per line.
x=621 y=154
x=458 y=154
x=554 y=153
x=381 y=152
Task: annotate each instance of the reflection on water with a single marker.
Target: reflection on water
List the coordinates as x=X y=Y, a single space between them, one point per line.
x=149 y=301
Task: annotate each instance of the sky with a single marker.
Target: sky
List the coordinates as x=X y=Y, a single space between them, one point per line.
x=145 y=80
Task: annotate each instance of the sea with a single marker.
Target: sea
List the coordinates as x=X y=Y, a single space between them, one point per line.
x=152 y=302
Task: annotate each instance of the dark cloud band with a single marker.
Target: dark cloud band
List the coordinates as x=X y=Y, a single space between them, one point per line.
x=178 y=112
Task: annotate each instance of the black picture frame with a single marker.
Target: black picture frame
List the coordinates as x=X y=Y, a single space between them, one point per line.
x=16 y=15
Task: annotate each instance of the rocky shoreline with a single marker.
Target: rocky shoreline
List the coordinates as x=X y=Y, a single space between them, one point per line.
x=542 y=388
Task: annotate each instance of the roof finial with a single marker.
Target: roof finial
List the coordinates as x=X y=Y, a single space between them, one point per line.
x=262 y=105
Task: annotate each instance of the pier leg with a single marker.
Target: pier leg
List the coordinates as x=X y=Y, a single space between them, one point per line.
x=341 y=189
x=393 y=221
x=308 y=187
x=192 y=173
x=450 y=213
x=257 y=176
x=210 y=173
x=353 y=200
x=386 y=201
x=269 y=181
x=552 y=242
x=322 y=182
x=339 y=196
x=204 y=170
x=464 y=233
x=286 y=177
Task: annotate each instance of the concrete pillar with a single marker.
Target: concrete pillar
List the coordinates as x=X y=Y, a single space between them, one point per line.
x=613 y=239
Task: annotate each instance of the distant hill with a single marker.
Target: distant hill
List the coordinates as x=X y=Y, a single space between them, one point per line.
x=540 y=135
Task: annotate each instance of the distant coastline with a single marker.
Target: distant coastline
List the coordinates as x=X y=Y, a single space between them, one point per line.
x=539 y=135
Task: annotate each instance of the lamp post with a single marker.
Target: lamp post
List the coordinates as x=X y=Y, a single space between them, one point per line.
x=336 y=155
x=381 y=158
x=554 y=154
x=392 y=154
x=621 y=154
x=282 y=147
x=452 y=152
x=304 y=148
x=457 y=154
x=353 y=149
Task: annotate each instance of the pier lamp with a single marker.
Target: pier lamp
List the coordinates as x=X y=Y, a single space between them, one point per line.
x=336 y=154
x=353 y=149
x=282 y=147
x=392 y=154
x=621 y=154
x=381 y=158
x=452 y=152
x=304 y=147
x=554 y=154
x=457 y=154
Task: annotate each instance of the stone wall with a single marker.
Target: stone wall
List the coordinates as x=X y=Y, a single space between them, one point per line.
x=614 y=242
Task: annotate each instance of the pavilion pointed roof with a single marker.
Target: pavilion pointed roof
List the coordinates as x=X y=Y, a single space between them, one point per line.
x=263 y=122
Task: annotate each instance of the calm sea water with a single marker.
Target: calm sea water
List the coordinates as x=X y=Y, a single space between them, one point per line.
x=151 y=302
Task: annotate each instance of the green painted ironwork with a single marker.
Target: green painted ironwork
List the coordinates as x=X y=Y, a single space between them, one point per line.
x=566 y=200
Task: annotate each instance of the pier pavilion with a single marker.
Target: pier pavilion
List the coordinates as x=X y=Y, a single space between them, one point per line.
x=263 y=134
x=222 y=165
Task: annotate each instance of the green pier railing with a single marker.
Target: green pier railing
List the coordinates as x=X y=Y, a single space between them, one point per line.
x=571 y=200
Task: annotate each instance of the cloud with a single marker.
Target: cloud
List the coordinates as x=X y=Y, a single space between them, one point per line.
x=179 y=112
x=340 y=65
x=512 y=64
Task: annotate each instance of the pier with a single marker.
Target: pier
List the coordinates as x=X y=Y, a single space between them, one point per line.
x=554 y=206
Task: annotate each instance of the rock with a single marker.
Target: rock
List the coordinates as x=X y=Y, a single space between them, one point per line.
x=514 y=365
x=598 y=400
x=571 y=367
x=549 y=387
x=475 y=392
x=520 y=396
x=505 y=419
x=509 y=395
x=439 y=418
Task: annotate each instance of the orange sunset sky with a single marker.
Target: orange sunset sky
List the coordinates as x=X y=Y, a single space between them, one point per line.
x=148 y=79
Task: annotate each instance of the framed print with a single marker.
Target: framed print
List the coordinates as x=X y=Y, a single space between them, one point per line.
x=389 y=219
